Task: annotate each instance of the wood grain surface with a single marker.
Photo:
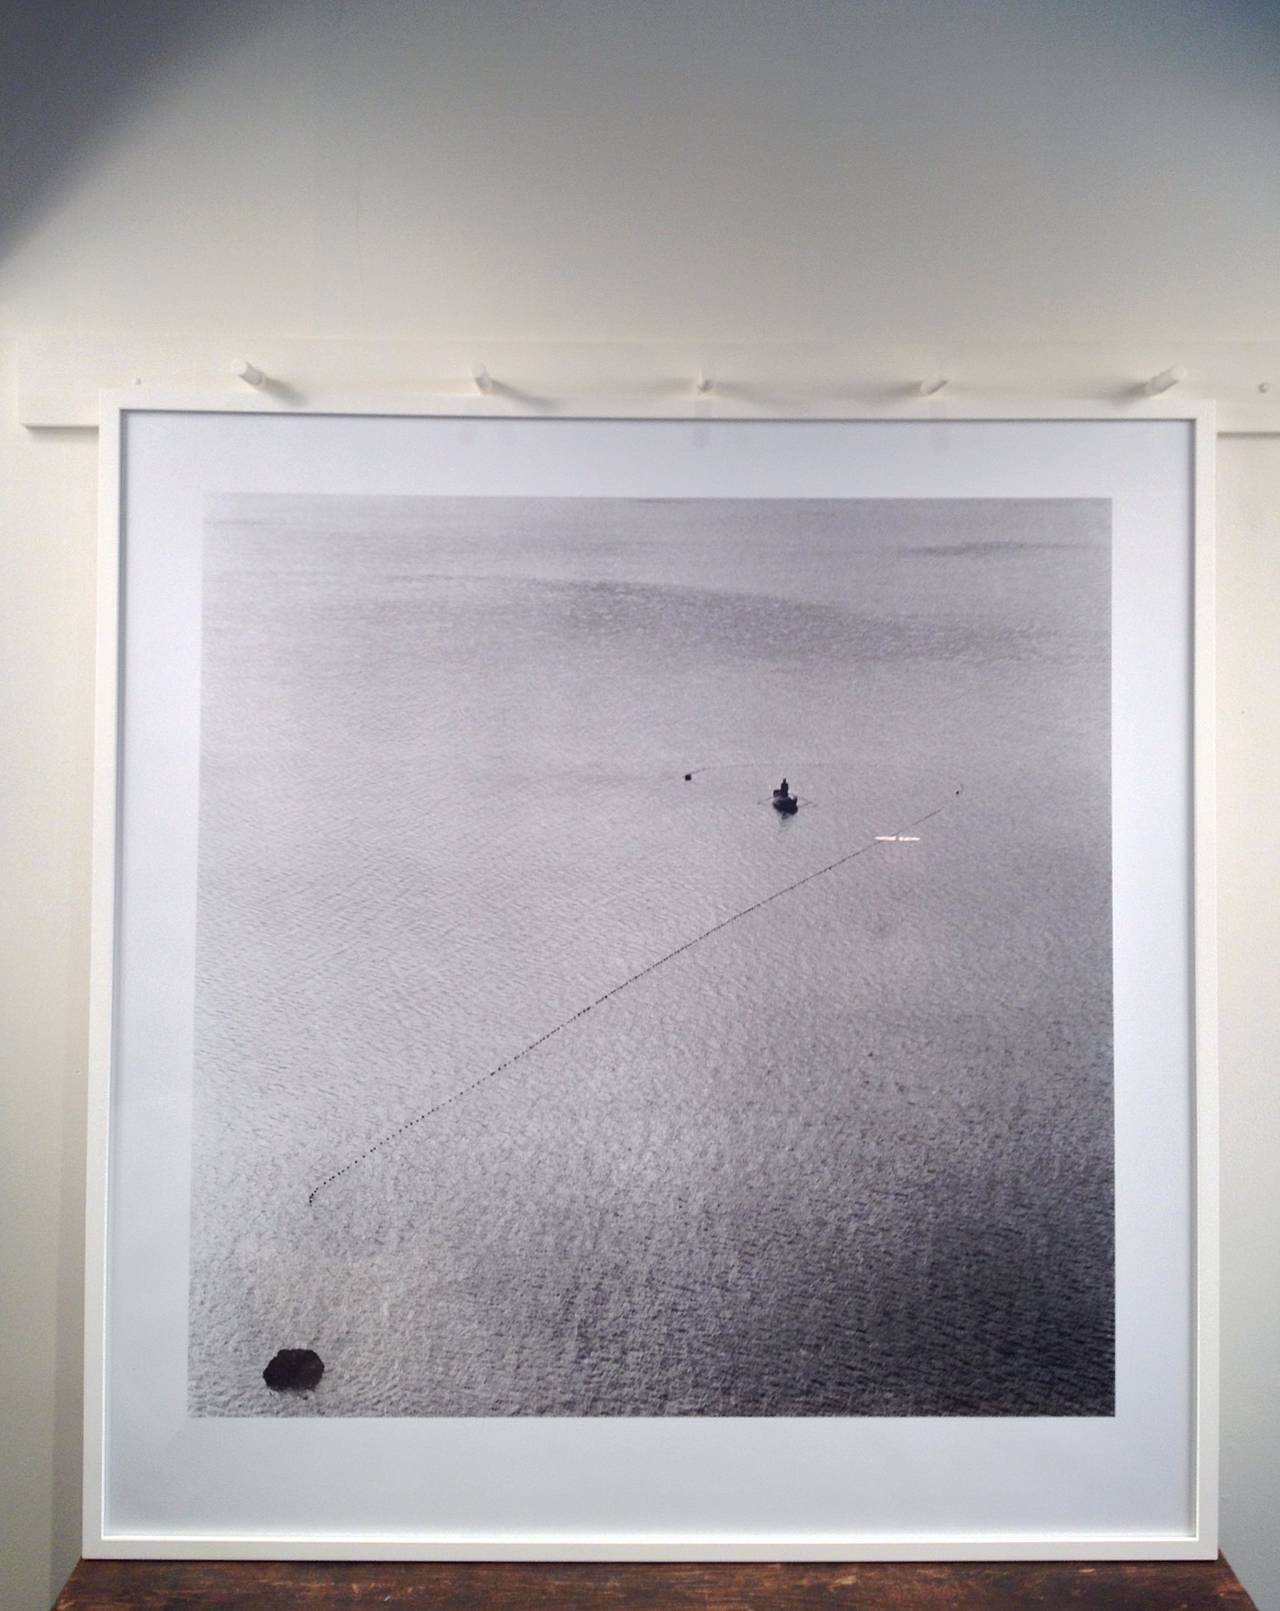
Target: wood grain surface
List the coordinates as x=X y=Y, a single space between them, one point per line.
x=532 y=1586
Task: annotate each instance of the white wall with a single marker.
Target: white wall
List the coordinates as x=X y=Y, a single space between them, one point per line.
x=1249 y=1044
x=880 y=170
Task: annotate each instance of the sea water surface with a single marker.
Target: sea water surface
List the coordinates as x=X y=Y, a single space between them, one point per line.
x=850 y=1154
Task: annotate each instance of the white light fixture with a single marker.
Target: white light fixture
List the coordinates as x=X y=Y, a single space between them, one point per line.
x=1165 y=381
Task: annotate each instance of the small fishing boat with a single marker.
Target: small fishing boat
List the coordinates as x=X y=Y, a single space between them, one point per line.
x=784 y=802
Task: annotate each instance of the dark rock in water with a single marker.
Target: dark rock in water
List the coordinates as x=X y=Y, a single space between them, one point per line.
x=688 y=777
x=294 y=1370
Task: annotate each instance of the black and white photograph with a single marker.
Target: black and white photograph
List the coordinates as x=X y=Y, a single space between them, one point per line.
x=653 y=958
x=641 y=770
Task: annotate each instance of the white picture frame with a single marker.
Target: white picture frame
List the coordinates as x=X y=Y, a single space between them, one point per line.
x=677 y=1496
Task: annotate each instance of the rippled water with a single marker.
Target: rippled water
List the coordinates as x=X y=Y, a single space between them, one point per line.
x=851 y=1154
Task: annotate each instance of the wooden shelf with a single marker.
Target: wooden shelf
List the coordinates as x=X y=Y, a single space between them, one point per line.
x=548 y=1586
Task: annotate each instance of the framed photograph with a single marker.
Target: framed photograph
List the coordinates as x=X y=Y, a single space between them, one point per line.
x=653 y=986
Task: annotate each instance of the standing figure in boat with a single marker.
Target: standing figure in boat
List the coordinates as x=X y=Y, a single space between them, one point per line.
x=784 y=801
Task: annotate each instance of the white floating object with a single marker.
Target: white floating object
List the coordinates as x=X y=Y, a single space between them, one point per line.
x=1165 y=381
x=483 y=379
x=931 y=388
x=250 y=374
x=702 y=385
x=897 y=839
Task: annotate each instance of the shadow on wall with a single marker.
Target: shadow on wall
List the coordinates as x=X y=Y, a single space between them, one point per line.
x=71 y=69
